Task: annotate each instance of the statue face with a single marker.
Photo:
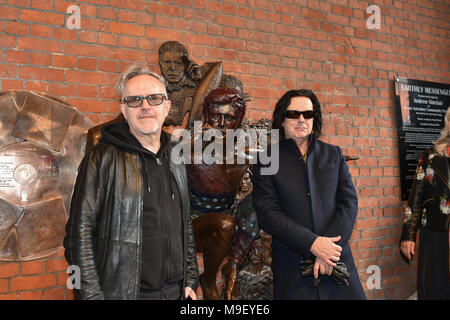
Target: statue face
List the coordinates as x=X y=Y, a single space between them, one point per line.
x=255 y=255
x=222 y=117
x=246 y=183
x=172 y=66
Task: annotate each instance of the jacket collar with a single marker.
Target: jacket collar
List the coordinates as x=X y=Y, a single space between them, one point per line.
x=119 y=135
x=441 y=167
x=292 y=145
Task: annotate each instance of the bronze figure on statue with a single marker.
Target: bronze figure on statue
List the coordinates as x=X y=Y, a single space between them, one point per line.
x=187 y=84
x=255 y=279
x=214 y=189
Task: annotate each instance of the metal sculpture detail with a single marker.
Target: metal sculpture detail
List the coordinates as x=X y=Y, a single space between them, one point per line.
x=255 y=278
x=42 y=140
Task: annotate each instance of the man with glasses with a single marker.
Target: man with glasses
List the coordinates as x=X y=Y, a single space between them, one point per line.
x=129 y=229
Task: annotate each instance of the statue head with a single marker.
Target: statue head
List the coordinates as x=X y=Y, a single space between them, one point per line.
x=234 y=82
x=224 y=108
x=256 y=255
x=231 y=82
x=173 y=61
x=246 y=186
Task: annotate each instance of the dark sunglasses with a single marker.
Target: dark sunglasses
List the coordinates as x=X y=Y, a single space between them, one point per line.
x=294 y=114
x=137 y=101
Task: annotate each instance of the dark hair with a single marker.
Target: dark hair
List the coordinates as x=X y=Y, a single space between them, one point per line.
x=279 y=114
x=222 y=96
x=230 y=81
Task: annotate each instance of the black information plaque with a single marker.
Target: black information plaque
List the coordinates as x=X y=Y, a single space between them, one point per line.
x=420 y=108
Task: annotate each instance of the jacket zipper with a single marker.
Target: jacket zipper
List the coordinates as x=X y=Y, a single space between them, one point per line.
x=178 y=177
x=158 y=161
x=141 y=218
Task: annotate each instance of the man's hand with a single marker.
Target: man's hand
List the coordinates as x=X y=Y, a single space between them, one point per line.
x=188 y=292
x=408 y=247
x=194 y=70
x=325 y=249
x=323 y=267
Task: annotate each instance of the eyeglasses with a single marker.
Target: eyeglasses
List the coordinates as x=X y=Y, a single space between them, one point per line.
x=137 y=101
x=295 y=114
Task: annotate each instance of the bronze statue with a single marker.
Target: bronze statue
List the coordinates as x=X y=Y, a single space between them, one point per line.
x=214 y=189
x=41 y=144
x=247 y=225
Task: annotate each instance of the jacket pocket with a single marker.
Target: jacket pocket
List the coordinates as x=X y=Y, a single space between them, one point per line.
x=328 y=166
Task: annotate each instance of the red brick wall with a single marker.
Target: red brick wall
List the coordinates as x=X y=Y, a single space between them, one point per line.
x=35 y=280
x=272 y=46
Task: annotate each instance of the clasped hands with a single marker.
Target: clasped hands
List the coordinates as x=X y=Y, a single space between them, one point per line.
x=327 y=254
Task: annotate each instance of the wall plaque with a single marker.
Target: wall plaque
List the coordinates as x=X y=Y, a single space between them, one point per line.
x=420 y=108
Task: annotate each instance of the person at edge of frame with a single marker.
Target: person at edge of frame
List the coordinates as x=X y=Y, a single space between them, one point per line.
x=428 y=207
x=129 y=229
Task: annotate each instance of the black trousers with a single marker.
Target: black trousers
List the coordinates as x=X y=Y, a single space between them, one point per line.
x=173 y=291
x=433 y=280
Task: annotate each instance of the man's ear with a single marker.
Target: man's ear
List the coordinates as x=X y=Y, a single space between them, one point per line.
x=168 y=106
x=123 y=110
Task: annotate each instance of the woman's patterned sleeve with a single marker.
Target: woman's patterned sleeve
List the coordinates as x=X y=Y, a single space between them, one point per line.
x=413 y=210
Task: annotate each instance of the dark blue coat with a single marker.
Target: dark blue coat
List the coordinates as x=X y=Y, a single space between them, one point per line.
x=299 y=203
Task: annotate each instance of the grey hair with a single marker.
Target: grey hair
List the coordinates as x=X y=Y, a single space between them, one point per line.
x=440 y=146
x=134 y=71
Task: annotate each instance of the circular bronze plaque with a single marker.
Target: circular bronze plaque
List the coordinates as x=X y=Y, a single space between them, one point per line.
x=42 y=141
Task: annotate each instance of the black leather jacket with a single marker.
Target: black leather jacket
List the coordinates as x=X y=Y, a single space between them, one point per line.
x=429 y=200
x=104 y=230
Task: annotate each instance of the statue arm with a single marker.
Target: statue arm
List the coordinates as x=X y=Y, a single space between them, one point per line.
x=208 y=83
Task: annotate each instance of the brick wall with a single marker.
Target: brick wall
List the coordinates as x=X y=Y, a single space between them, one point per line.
x=272 y=46
x=35 y=280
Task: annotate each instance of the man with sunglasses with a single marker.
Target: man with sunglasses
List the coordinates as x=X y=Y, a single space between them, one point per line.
x=129 y=229
x=309 y=207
